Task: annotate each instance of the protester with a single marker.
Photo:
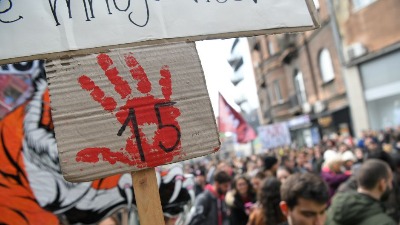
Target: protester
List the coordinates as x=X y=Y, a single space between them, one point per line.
x=200 y=181
x=210 y=207
x=343 y=148
x=348 y=159
x=301 y=162
x=288 y=163
x=257 y=180
x=358 y=152
x=317 y=160
x=331 y=172
x=333 y=167
x=361 y=141
x=282 y=174
x=268 y=211
x=392 y=204
x=270 y=166
x=251 y=167
x=363 y=207
x=240 y=201
x=304 y=199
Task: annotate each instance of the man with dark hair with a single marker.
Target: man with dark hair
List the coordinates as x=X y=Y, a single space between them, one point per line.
x=363 y=207
x=210 y=207
x=304 y=199
x=391 y=205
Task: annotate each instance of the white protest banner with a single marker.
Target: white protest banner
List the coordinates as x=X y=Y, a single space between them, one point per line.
x=35 y=29
x=274 y=135
x=130 y=109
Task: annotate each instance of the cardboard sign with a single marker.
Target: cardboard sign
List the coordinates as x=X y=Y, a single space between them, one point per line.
x=130 y=109
x=41 y=27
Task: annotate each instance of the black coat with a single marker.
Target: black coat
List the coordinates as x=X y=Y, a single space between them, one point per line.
x=238 y=214
x=206 y=210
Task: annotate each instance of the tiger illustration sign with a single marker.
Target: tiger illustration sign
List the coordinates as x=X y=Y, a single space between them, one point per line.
x=130 y=109
x=32 y=188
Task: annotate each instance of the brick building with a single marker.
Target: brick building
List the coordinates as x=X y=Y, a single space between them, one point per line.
x=341 y=78
x=368 y=35
x=299 y=80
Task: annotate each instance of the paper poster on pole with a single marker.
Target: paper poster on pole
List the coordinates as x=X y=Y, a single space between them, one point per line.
x=42 y=28
x=130 y=109
x=274 y=135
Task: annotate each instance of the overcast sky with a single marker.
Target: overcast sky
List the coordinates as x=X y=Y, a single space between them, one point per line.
x=214 y=55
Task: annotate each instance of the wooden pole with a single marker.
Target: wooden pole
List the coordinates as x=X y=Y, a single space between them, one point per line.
x=147 y=197
x=125 y=216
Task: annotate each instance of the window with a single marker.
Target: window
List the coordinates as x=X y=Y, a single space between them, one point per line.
x=271 y=97
x=300 y=88
x=316 y=3
x=271 y=49
x=326 y=67
x=359 y=4
x=277 y=90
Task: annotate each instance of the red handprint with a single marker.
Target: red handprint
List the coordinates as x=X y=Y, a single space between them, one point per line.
x=136 y=112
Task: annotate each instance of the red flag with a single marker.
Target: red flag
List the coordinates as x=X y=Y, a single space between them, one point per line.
x=231 y=121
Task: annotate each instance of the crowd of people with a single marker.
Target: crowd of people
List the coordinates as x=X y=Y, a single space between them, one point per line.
x=340 y=181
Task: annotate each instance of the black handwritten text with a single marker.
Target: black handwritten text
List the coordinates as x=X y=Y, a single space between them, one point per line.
x=125 y=6
x=5 y=7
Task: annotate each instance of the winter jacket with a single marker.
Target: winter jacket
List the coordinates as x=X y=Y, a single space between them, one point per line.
x=198 y=189
x=237 y=206
x=392 y=205
x=354 y=208
x=333 y=180
x=209 y=209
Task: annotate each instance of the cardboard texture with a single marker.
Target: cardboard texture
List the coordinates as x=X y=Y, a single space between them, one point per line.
x=130 y=109
x=51 y=29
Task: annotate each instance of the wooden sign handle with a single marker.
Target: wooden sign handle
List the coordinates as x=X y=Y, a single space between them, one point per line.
x=147 y=197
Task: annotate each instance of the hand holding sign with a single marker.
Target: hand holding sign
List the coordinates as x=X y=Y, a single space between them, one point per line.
x=136 y=112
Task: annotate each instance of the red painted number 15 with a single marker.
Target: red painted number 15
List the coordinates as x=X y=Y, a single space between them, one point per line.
x=136 y=113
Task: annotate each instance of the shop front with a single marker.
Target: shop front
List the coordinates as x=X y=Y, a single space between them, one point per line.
x=335 y=122
x=303 y=132
x=381 y=82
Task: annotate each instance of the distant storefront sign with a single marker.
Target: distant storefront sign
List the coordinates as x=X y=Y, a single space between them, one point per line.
x=325 y=121
x=299 y=122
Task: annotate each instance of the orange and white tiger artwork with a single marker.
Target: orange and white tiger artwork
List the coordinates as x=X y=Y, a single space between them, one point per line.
x=32 y=189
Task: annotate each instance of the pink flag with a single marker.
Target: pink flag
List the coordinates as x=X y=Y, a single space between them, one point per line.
x=231 y=121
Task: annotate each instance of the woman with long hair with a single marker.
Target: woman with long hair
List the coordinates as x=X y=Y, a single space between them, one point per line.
x=240 y=200
x=268 y=211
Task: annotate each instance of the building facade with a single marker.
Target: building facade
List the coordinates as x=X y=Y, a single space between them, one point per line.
x=369 y=32
x=342 y=78
x=300 y=80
